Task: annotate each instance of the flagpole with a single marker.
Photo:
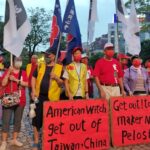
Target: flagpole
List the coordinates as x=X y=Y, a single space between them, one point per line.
x=116 y=31
x=58 y=47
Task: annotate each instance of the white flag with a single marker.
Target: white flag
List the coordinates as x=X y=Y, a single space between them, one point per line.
x=133 y=21
x=131 y=32
x=121 y=11
x=16 y=28
x=93 y=17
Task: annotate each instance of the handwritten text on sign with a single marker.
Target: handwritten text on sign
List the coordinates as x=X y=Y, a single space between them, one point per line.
x=131 y=120
x=76 y=125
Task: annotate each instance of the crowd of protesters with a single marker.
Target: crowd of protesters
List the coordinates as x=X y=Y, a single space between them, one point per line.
x=47 y=80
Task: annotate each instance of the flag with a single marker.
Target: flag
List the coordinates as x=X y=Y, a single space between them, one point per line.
x=121 y=11
x=93 y=17
x=71 y=27
x=16 y=27
x=131 y=33
x=133 y=21
x=56 y=26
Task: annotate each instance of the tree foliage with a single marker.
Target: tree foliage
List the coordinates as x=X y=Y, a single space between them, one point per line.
x=40 y=22
x=145 y=52
x=143 y=8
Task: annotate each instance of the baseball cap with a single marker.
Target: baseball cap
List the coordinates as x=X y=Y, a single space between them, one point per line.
x=123 y=56
x=51 y=51
x=77 y=48
x=108 y=45
x=84 y=55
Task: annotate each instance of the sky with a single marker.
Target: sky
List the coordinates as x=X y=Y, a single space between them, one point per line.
x=106 y=10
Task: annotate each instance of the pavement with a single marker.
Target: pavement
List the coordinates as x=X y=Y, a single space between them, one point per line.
x=26 y=136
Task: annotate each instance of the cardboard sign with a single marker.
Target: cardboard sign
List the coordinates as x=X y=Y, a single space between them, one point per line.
x=130 y=120
x=76 y=125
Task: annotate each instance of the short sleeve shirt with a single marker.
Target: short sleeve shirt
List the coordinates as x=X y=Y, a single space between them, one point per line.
x=108 y=71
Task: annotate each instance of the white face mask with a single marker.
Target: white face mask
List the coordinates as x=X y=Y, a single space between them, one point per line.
x=17 y=64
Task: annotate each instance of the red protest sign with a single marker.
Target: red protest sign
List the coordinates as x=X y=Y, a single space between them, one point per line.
x=130 y=120
x=78 y=125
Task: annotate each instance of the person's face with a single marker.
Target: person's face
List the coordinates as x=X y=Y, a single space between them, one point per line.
x=136 y=62
x=124 y=61
x=84 y=60
x=49 y=58
x=109 y=52
x=77 y=56
x=34 y=60
x=18 y=63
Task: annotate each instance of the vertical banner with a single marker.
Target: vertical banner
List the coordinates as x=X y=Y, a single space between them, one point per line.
x=16 y=28
x=76 y=125
x=130 y=120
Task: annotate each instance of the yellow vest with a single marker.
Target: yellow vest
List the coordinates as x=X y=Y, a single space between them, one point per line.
x=28 y=69
x=54 y=90
x=1 y=66
x=74 y=78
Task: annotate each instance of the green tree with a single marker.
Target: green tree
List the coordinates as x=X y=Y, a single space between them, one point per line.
x=145 y=52
x=39 y=36
x=95 y=57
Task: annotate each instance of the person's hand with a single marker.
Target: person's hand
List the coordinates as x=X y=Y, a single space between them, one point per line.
x=87 y=95
x=123 y=93
x=10 y=69
x=103 y=94
x=12 y=78
x=70 y=96
x=130 y=93
x=53 y=76
x=33 y=95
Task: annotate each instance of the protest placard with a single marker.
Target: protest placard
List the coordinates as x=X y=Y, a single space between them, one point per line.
x=76 y=125
x=130 y=120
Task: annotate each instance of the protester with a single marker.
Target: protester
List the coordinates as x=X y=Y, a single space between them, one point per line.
x=123 y=59
x=31 y=67
x=46 y=86
x=136 y=80
x=13 y=83
x=108 y=74
x=85 y=60
x=2 y=69
x=147 y=66
x=76 y=76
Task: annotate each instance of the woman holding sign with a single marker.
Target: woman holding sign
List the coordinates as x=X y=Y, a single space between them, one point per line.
x=136 y=80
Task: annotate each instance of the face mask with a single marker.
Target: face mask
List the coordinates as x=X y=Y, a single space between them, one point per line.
x=136 y=63
x=17 y=64
x=77 y=58
x=1 y=59
x=47 y=60
x=33 y=61
x=148 y=65
x=109 y=53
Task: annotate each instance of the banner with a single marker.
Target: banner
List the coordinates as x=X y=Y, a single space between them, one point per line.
x=130 y=120
x=16 y=27
x=56 y=26
x=76 y=125
x=93 y=17
x=71 y=27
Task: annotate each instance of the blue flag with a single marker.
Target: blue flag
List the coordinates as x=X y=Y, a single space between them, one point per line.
x=71 y=27
x=56 y=26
